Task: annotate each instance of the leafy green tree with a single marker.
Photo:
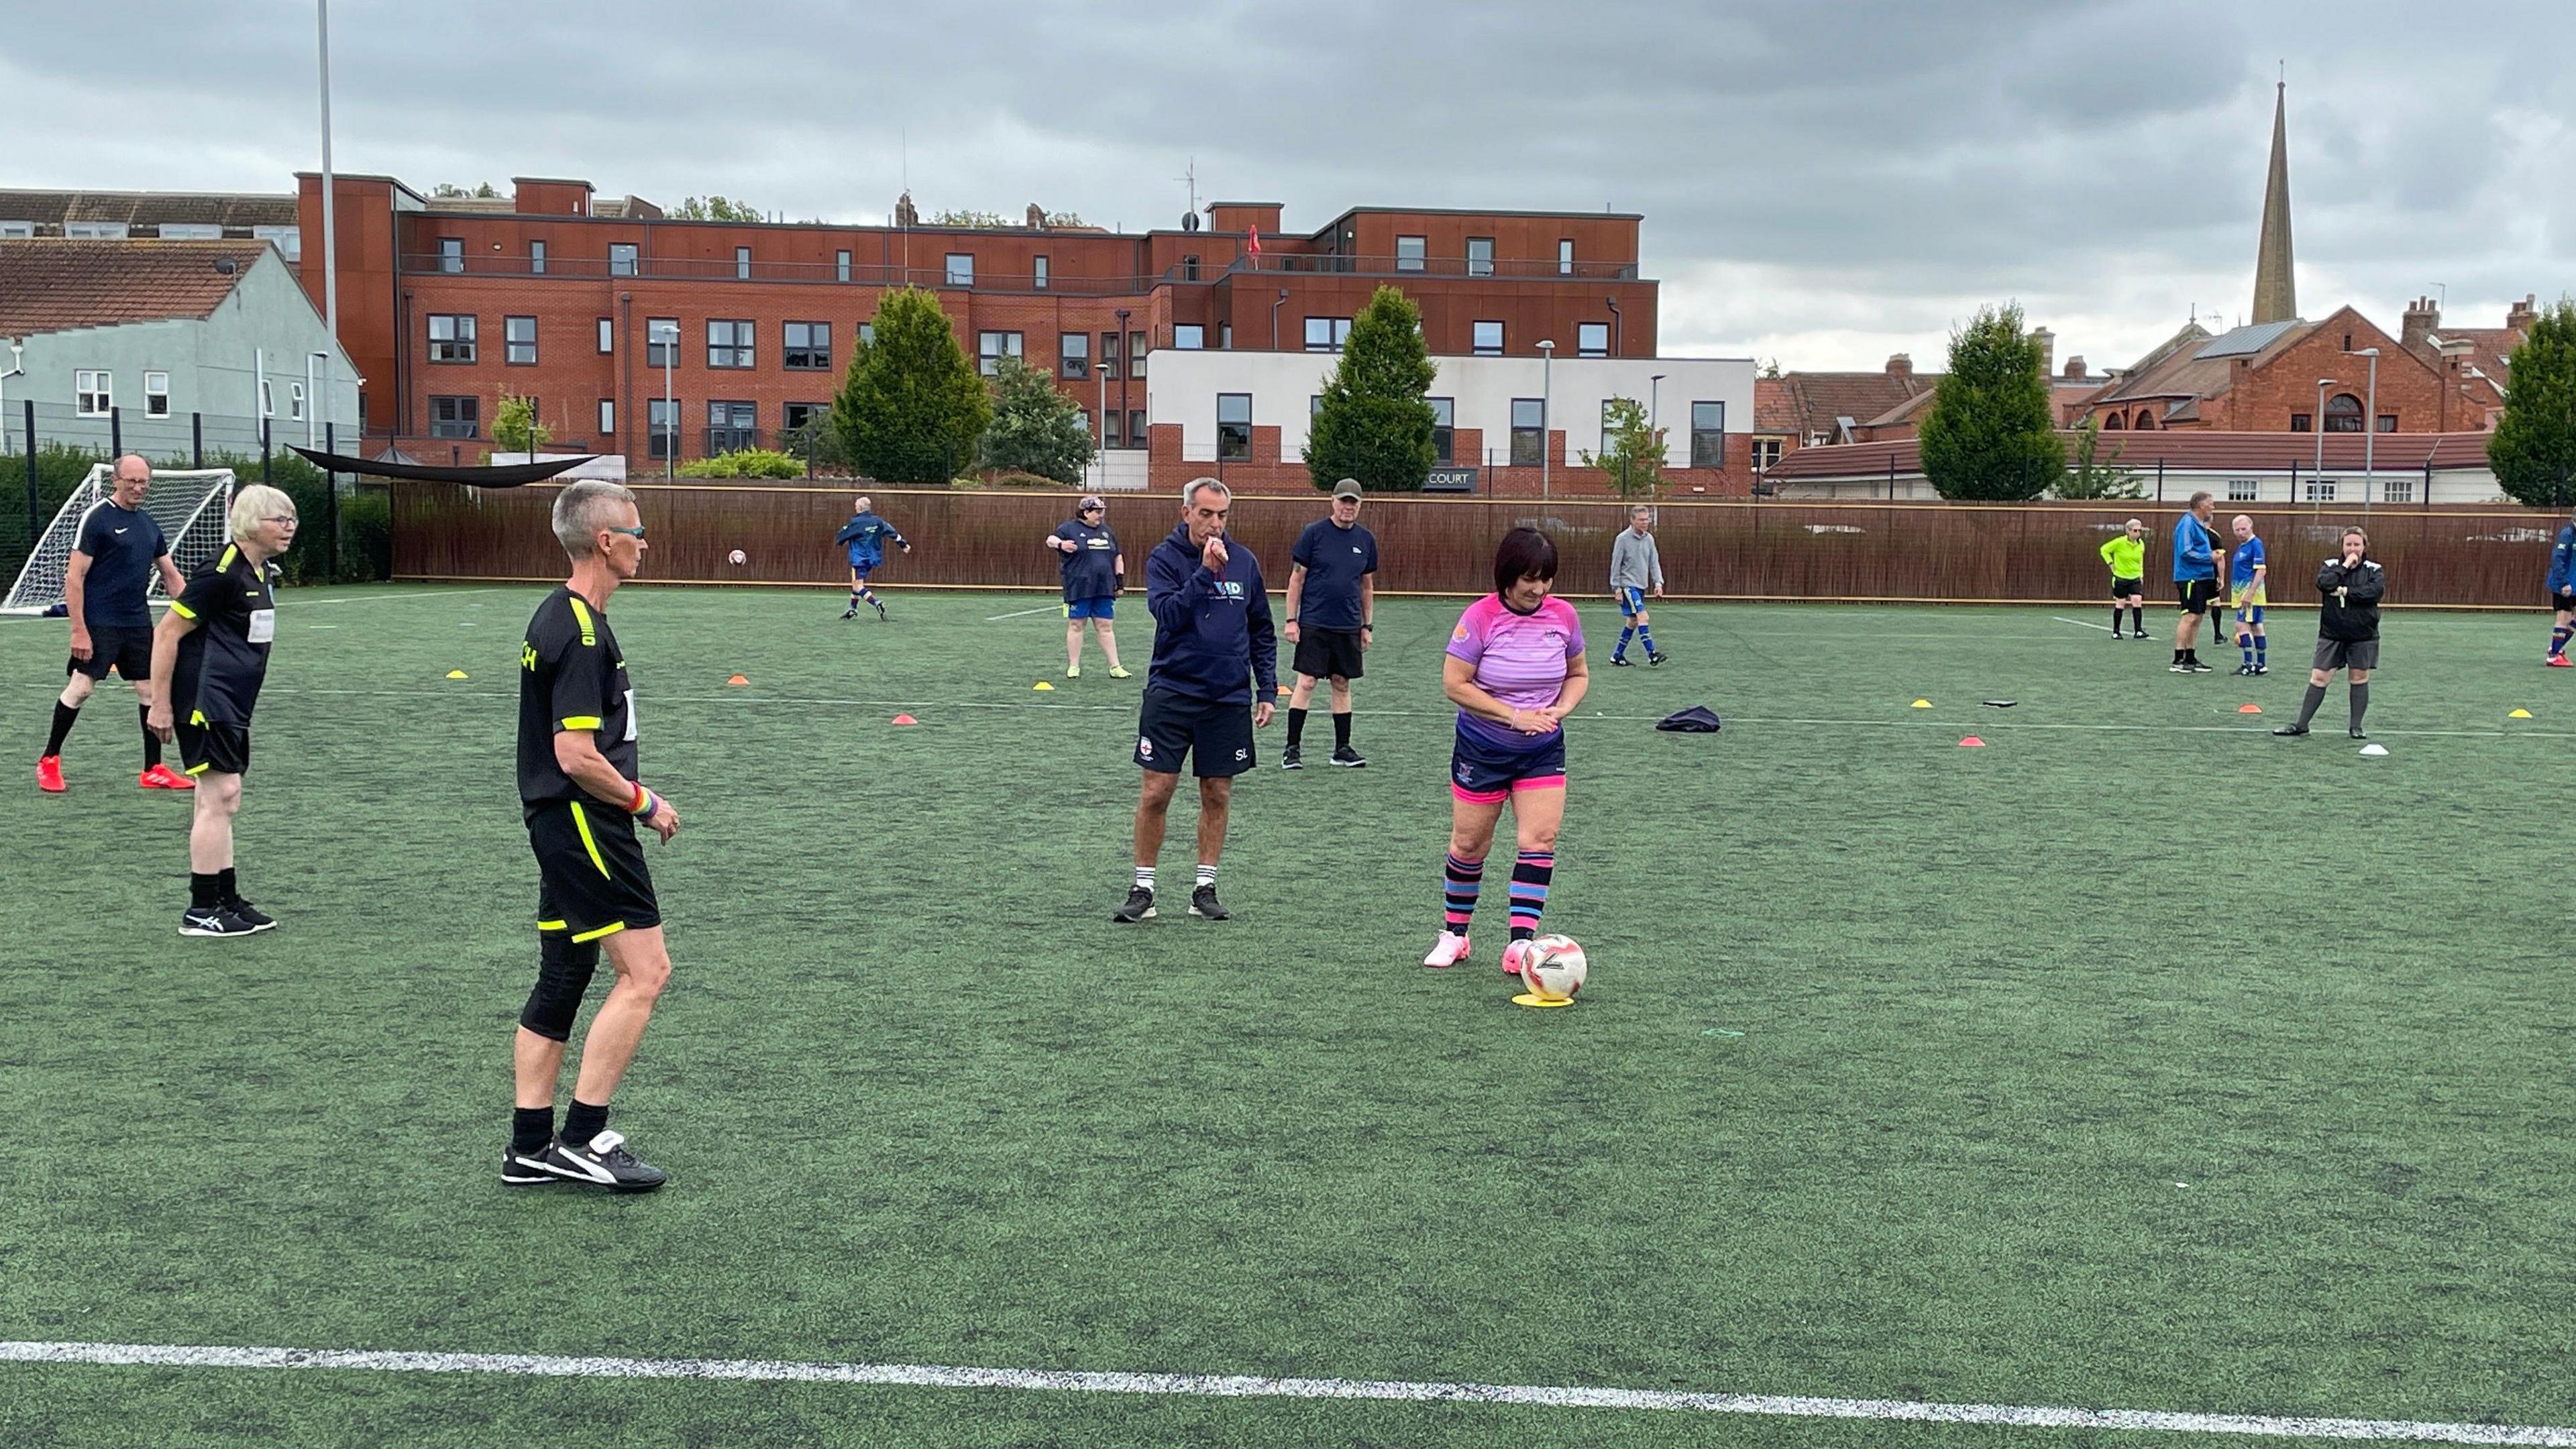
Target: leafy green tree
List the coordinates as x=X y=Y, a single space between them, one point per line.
x=446 y=190
x=515 y=428
x=716 y=208
x=1035 y=429
x=2533 y=448
x=1635 y=457
x=746 y=463
x=1374 y=423
x=1991 y=433
x=912 y=407
x=2092 y=475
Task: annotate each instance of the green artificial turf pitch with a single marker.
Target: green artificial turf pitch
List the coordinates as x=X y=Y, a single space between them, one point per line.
x=2138 y=1059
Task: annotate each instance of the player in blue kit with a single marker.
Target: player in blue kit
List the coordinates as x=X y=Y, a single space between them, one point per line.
x=865 y=534
x=2195 y=574
x=2246 y=580
x=105 y=589
x=1094 y=570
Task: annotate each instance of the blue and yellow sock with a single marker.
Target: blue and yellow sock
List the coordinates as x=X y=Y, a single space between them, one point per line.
x=2558 y=641
x=1646 y=637
x=1532 y=871
x=1626 y=633
x=2261 y=643
x=2245 y=647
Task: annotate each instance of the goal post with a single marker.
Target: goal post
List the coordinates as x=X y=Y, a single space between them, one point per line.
x=190 y=504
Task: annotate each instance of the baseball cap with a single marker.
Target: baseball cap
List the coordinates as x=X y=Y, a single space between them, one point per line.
x=1089 y=500
x=1347 y=488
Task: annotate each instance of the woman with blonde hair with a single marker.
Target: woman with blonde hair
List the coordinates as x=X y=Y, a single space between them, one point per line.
x=209 y=657
x=2351 y=585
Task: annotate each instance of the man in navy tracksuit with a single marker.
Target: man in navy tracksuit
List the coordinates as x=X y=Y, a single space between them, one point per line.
x=1214 y=653
x=2562 y=596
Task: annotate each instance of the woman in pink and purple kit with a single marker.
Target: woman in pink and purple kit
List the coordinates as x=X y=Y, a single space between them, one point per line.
x=1515 y=670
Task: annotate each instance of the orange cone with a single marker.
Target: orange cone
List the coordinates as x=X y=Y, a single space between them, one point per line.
x=904 y=719
x=2249 y=709
x=737 y=679
x=1972 y=743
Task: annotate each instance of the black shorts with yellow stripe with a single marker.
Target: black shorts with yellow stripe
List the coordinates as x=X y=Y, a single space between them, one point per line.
x=213 y=746
x=591 y=878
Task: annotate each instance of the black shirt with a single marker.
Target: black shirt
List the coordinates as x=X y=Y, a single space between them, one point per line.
x=122 y=544
x=1091 y=570
x=1336 y=559
x=223 y=660
x=2353 y=617
x=571 y=677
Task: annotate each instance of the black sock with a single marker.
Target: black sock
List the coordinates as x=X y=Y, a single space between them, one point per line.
x=2115 y=618
x=2308 y=706
x=583 y=1121
x=1296 y=726
x=1342 y=730
x=205 y=890
x=530 y=1127
x=2177 y=656
x=228 y=885
x=2138 y=619
x=151 y=741
x=2360 y=703
x=65 y=716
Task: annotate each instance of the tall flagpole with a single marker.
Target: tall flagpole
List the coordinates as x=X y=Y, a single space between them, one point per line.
x=330 y=228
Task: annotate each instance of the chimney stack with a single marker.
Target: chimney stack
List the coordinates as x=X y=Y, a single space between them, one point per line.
x=1037 y=217
x=2047 y=342
x=2421 y=318
x=2075 y=368
x=904 y=214
x=2519 y=316
x=1901 y=365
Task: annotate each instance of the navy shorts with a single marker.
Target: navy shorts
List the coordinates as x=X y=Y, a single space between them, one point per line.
x=127 y=651
x=2560 y=603
x=1104 y=607
x=1171 y=728
x=1482 y=772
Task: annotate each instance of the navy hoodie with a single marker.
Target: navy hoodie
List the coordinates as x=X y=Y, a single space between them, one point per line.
x=1210 y=632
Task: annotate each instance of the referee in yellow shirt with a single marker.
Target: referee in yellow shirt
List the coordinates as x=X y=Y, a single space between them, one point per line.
x=2127 y=556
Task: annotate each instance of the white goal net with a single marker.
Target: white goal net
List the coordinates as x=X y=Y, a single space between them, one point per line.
x=189 y=504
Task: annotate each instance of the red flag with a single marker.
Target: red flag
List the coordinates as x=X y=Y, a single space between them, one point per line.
x=1255 y=248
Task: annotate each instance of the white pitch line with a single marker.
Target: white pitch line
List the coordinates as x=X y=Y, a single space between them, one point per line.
x=291 y=602
x=1246 y=1386
x=1024 y=613
x=2105 y=628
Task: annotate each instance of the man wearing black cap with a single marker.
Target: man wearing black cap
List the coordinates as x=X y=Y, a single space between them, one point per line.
x=1094 y=570
x=1332 y=595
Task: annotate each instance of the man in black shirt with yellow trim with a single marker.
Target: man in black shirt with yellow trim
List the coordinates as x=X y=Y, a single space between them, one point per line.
x=578 y=788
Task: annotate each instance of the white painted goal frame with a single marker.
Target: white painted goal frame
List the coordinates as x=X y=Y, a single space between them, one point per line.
x=190 y=505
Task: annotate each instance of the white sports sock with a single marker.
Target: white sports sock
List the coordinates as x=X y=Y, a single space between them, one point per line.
x=1145 y=878
x=1207 y=874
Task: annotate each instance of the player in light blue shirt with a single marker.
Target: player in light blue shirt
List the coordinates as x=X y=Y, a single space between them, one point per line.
x=2245 y=584
x=2195 y=573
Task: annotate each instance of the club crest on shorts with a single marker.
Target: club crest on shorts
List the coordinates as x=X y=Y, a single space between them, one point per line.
x=1144 y=748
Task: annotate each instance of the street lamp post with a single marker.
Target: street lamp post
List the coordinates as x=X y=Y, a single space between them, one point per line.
x=313 y=399
x=1101 y=369
x=668 y=335
x=1546 y=376
x=2369 y=431
x=1126 y=370
x=2317 y=420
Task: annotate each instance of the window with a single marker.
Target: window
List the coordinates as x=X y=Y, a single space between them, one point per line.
x=1708 y=435
x=451 y=337
x=1766 y=453
x=1109 y=429
x=1073 y=354
x=607 y=335
x=2114 y=423
x=2244 y=490
x=536 y=259
x=1189 y=335
x=93 y=392
x=1038 y=273
x=992 y=347
x=156 y=394
x=1489 y=339
x=1480 y=256
x=1234 y=427
x=17 y=229
x=742 y=264
x=1606 y=440
x=1529 y=432
x=2388 y=422
x=519 y=341
x=1592 y=339
x=961 y=269
x=94 y=230
x=661 y=416
x=728 y=342
x=1190 y=267
x=1327 y=334
x=607 y=417
x=267 y=400
x=2303 y=422
x=661 y=341
x=1137 y=437
x=1565 y=256
x=2347 y=342
x=2343 y=413
x=621 y=259
x=801 y=418
x=732 y=426
x=295 y=402
x=867 y=334
x=289 y=240
x=1135 y=355
x=451 y=254
x=456 y=417
x=806 y=347
x=1444 y=430
x=1109 y=350
x=191 y=231
x=1225 y=335
x=1409 y=254
x=2320 y=490
x=840 y=266
x=2397 y=490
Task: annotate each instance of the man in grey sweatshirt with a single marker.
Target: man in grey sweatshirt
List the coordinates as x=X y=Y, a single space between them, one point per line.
x=1635 y=571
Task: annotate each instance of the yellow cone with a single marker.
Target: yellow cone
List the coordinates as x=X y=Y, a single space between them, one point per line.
x=1921 y=704
x=1042 y=684
x=2519 y=714
x=456 y=674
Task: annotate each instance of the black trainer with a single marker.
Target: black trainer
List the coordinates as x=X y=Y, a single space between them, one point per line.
x=1204 y=904
x=1139 y=907
x=851 y=612
x=1619 y=661
x=250 y=915
x=603 y=1162
x=2356 y=733
x=1345 y=755
x=2243 y=671
x=524 y=1169
x=2262 y=669
x=881 y=615
x=2193 y=665
x=213 y=921
x=1289 y=759
x=1654 y=659
x=2293 y=729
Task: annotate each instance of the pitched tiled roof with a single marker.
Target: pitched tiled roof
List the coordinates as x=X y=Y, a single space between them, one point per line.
x=147 y=208
x=1813 y=402
x=2178 y=370
x=2188 y=449
x=54 y=285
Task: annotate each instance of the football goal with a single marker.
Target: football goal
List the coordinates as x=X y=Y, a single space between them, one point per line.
x=189 y=504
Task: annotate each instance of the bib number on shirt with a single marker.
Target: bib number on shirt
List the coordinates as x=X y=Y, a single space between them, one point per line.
x=263 y=625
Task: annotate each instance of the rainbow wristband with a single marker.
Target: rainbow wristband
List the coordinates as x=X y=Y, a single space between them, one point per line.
x=645 y=801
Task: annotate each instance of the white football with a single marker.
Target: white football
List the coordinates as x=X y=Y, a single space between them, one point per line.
x=1554 y=968
x=738 y=556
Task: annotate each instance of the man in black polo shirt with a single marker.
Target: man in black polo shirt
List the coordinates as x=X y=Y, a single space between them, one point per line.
x=581 y=799
x=1332 y=596
x=105 y=588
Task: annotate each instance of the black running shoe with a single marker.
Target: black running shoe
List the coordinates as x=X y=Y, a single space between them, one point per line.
x=1654 y=659
x=2178 y=667
x=2243 y=671
x=603 y=1162
x=2196 y=667
x=1204 y=904
x=250 y=915
x=1345 y=755
x=2356 y=733
x=2291 y=730
x=880 y=603
x=214 y=921
x=1289 y=759
x=2262 y=669
x=525 y=1169
x=1139 y=907
x=851 y=612
x=1619 y=661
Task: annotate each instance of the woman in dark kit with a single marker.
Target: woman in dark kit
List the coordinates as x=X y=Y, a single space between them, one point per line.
x=2347 y=629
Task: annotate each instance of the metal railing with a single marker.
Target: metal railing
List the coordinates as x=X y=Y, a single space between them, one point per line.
x=933 y=275
x=1499 y=269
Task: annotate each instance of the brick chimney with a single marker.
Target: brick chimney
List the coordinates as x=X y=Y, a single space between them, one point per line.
x=2519 y=316
x=1037 y=217
x=1901 y=365
x=2075 y=367
x=904 y=214
x=2421 y=318
x=2047 y=343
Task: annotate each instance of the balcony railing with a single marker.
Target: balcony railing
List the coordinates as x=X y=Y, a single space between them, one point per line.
x=935 y=275
x=1506 y=269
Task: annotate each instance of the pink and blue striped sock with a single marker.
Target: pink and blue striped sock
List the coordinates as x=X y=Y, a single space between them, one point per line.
x=1531 y=873
x=1463 y=880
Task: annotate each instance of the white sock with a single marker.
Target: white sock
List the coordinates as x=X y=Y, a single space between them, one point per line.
x=1207 y=875
x=1145 y=878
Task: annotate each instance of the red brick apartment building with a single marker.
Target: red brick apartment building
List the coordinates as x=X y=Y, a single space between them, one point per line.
x=561 y=294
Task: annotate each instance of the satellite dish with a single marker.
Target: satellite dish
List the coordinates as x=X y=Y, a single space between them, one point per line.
x=225 y=266
x=1189 y=221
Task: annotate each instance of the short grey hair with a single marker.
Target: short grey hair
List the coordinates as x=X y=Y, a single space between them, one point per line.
x=582 y=510
x=1196 y=486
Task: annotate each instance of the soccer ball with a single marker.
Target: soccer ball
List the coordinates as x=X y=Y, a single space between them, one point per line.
x=1553 y=968
x=738 y=557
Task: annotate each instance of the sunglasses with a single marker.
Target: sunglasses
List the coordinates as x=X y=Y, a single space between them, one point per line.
x=636 y=532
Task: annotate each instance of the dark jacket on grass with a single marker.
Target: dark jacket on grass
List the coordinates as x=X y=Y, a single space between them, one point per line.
x=2355 y=616
x=1212 y=633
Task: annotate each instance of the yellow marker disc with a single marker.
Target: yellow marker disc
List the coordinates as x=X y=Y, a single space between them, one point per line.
x=1528 y=999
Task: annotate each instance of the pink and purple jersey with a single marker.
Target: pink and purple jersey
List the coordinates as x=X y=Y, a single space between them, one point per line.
x=1520 y=659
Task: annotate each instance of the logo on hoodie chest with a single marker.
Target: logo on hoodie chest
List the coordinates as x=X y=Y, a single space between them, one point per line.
x=1230 y=590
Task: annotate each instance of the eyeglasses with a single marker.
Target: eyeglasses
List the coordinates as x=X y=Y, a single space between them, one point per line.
x=636 y=532
x=278 y=518
x=1093 y=508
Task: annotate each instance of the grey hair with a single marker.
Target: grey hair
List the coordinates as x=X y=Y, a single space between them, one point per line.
x=1196 y=486
x=582 y=510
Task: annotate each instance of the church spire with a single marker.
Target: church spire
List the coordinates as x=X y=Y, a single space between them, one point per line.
x=2276 y=295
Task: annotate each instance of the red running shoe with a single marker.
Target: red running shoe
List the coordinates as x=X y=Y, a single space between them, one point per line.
x=49 y=775
x=2561 y=661
x=162 y=777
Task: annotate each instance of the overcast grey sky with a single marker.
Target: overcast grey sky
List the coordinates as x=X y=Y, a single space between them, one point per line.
x=1823 y=181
